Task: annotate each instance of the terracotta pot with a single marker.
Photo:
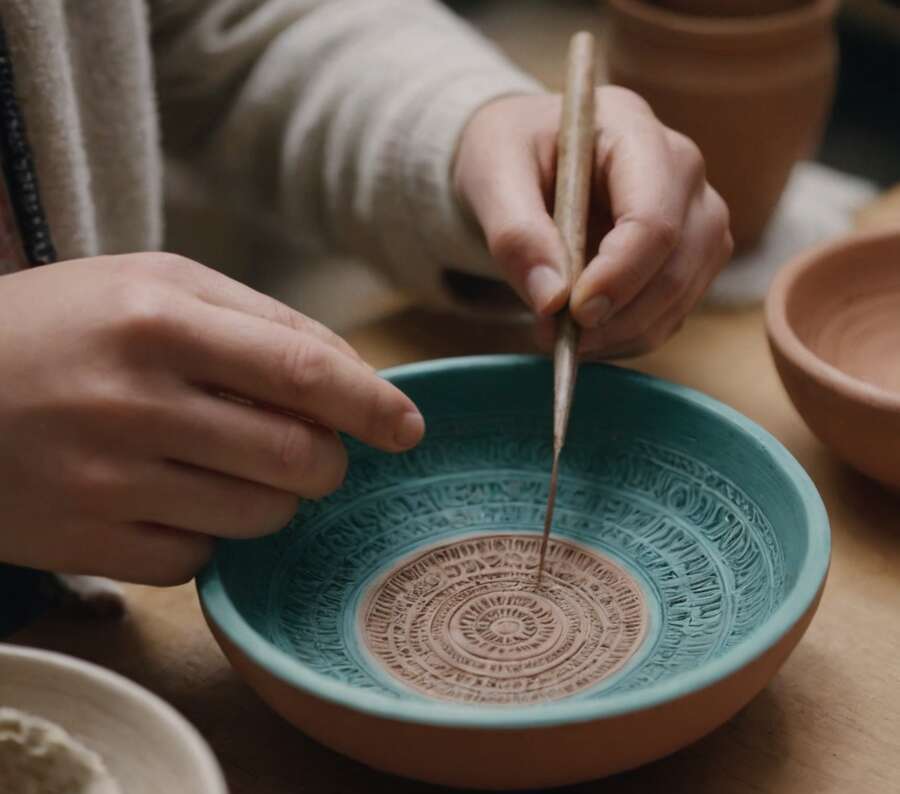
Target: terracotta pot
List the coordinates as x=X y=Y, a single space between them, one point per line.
x=503 y=759
x=730 y=8
x=399 y=620
x=832 y=318
x=753 y=91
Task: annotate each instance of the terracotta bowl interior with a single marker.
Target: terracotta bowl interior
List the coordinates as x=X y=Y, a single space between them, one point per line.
x=844 y=308
x=711 y=519
x=145 y=744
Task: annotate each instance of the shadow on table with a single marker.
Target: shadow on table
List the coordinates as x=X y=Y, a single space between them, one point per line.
x=876 y=508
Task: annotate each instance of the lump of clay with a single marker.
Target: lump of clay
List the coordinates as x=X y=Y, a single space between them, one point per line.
x=39 y=757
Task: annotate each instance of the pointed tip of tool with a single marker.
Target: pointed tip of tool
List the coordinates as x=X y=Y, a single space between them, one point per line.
x=548 y=517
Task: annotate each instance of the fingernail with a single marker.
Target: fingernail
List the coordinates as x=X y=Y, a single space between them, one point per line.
x=595 y=311
x=543 y=285
x=410 y=429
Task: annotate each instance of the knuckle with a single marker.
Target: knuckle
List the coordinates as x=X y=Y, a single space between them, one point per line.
x=688 y=154
x=307 y=367
x=93 y=483
x=296 y=447
x=663 y=233
x=727 y=246
x=675 y=281
x=167 y=265
x=627 y=98
x=143 y=309
x=720 y=213
x=512 y=243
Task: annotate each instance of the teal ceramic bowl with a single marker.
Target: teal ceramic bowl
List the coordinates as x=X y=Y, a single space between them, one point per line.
x=399 y=621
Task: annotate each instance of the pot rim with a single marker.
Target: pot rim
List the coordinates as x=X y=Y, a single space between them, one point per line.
x=785 y=339
x=710 y=28
x=812 y=571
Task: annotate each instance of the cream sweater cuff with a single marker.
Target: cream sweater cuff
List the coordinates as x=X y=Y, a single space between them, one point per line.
x=437 y=236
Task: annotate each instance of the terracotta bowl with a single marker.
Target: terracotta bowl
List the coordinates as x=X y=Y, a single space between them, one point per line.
x=833 y=318
x=400 y=621
x=144 y=743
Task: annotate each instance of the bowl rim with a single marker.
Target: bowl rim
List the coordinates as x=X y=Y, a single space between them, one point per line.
x=146 y=701
x=219 y=609
x=738 y=27
x=782 y=335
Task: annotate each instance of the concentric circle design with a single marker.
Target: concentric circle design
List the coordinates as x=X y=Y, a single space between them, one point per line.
x=465 y=621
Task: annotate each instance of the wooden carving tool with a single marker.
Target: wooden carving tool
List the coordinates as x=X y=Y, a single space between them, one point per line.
x=574 y=171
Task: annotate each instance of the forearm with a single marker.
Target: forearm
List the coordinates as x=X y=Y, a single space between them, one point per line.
x=340 y=117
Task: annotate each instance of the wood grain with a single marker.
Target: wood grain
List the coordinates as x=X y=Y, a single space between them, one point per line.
x=829 y=722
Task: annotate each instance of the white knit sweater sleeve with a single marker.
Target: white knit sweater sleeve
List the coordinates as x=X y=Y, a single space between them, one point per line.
x=341 y=117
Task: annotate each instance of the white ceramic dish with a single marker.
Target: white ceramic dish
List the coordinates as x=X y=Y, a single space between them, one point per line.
x=147 y=746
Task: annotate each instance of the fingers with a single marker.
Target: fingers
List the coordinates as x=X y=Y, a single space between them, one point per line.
x=662 y=306
x=209 y=503
x=503 y=187
x=250 y=443
x=651 y=176
x=298 y=373
x=148 y=554
x=219 y=290
x=230 y=294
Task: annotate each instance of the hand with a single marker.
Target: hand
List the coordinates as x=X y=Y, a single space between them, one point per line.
x=659 y=231
x=121 y=458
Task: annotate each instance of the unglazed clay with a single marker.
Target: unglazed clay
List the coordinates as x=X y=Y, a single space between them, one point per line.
x=730 y=8
x=832 y=317
x=752 y=91
x=400 y=620
x=464 y=621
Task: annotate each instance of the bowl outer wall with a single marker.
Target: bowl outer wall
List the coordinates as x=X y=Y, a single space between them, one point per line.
x=858 y=420
x=535 y=757
x=221 y=611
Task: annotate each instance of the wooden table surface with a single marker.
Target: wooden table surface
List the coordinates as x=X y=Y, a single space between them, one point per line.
x=829 y=722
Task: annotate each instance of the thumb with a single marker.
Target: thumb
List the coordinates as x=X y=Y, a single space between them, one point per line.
x=521 y=235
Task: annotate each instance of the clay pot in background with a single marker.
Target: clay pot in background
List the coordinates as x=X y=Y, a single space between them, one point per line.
x=752 y=91
x=832 y=319
x=730 y=8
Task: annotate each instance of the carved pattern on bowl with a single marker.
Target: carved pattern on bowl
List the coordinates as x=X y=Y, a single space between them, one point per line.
x=703 y=554
x=464 y=621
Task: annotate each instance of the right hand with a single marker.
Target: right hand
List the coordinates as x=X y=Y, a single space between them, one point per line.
x=119 y=456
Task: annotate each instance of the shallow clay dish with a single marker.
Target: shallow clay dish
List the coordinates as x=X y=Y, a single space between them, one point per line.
x=144 y=743
x=833 y=318
x=399 y=621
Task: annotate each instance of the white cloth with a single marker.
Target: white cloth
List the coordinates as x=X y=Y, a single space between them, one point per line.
x=818 y=204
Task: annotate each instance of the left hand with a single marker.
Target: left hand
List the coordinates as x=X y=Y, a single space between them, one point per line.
x=660 y=233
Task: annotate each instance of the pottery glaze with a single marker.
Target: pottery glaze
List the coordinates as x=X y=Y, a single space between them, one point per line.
x=752 y=91
x=832 y=319
x=399 y=621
